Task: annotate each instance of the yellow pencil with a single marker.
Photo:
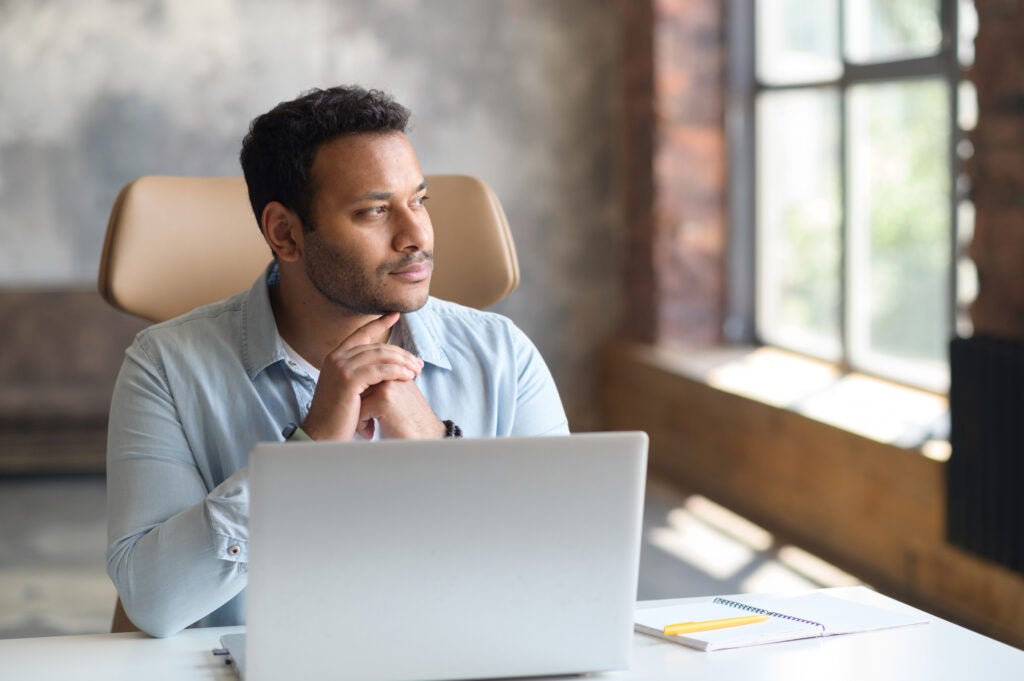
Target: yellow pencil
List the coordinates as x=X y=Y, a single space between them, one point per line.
x=708 y=625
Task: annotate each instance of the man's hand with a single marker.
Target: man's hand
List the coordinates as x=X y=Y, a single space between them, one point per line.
x=352 y=368
x=401 y=410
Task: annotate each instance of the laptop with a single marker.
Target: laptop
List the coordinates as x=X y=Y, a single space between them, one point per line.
x=445 y=559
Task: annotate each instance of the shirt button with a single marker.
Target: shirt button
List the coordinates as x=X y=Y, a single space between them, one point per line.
x=234 y=550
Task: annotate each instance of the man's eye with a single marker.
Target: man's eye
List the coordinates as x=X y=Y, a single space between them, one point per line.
x=420 y=200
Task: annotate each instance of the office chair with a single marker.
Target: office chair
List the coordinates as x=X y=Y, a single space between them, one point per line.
x=175 y=243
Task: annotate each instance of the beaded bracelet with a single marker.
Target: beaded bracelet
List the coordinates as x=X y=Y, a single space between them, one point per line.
x=452 y=430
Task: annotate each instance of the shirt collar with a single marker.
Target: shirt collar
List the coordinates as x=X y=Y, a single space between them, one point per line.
x=419 y=334
x=261 y=343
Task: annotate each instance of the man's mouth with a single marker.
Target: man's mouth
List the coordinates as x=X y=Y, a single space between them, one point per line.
x=414 y=271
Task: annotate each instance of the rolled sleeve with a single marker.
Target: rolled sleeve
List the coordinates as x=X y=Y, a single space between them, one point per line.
x=170 y=537
x=227 y=508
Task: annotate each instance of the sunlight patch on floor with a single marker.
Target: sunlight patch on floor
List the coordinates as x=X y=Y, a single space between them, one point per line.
x=725 y=546
x=814 y=568
x=703 y=547
x=727 y=522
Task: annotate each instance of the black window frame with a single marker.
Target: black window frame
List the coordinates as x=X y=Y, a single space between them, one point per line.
x=742 y=91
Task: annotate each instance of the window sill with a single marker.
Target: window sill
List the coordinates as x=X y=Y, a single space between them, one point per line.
x=881 y=410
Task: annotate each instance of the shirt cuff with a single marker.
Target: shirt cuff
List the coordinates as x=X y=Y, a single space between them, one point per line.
x=227 y=508
x=294 y=433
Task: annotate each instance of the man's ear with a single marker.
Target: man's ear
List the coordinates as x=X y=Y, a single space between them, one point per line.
x=283 y=230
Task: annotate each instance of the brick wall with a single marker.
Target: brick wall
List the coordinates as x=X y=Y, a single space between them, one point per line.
x=985 y=513
x=674 y=160
x=997 y=170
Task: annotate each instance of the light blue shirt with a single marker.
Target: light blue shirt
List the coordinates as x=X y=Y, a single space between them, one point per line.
x=197 y=392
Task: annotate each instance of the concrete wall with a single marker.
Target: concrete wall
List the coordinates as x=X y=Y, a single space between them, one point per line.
x=522 y=93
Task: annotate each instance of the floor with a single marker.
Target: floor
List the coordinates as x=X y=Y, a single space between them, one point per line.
x=52 y=543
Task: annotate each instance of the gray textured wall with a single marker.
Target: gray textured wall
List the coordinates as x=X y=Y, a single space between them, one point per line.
x=522 y=93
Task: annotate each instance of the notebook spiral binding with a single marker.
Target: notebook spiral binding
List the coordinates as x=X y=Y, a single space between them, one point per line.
x=762 y=611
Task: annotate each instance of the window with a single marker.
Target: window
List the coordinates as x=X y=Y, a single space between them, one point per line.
x=848 y=193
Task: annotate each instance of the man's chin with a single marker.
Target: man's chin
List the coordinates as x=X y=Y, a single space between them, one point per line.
x=413 y=298
x=380 y=301
x=405 y=304
x=411 y=306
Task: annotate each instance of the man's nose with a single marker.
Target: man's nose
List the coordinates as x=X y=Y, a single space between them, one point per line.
x=414 y=230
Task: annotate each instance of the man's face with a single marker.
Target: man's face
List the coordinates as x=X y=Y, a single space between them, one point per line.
x=372 y=245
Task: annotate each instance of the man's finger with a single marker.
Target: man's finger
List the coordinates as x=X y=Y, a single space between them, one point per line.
x=370 y=332
x=346 y=361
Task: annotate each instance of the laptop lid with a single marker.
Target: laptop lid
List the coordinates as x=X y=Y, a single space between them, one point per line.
x=445 y=559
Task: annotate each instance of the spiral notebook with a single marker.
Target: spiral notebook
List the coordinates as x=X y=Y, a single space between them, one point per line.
x=790 y=618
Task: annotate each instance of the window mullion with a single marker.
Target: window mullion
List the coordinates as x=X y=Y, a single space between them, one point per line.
x=950 y=21
x=894 y=70
x=846 y=289
x=740 y=322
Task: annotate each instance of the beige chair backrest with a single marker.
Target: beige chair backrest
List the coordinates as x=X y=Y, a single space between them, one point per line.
x=175 y=243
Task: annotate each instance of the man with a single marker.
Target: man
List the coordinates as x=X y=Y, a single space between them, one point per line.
x=337 y=340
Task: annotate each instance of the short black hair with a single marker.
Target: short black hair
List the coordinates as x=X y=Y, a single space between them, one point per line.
x=278 y=151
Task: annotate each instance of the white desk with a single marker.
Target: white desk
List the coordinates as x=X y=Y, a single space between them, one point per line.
x=937 y=651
